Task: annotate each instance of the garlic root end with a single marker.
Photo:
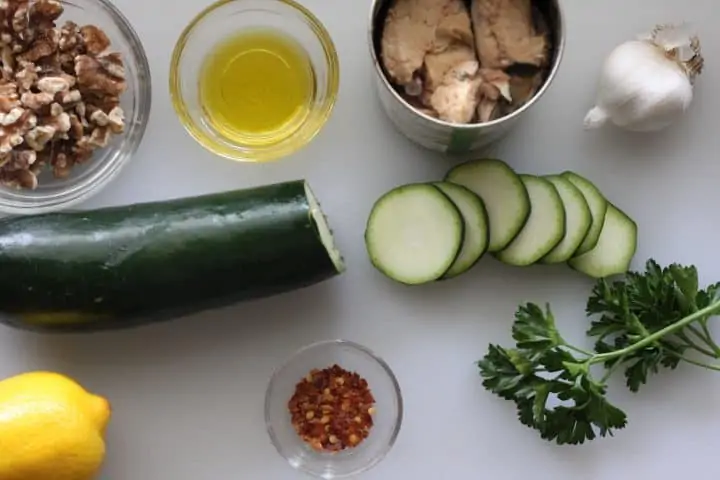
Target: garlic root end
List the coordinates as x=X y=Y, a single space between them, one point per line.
x=595 y=118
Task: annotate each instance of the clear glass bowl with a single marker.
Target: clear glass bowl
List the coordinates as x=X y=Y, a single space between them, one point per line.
x=225 y=18
x=387 y=418
x=87 y=179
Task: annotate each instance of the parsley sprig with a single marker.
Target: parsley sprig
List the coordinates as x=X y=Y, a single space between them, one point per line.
x=645 y=322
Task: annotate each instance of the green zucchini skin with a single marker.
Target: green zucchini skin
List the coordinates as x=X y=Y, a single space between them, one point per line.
x=132 y=265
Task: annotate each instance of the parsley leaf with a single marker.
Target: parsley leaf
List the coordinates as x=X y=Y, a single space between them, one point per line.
x=641 y=305
x=541 y=371
x=643 y=323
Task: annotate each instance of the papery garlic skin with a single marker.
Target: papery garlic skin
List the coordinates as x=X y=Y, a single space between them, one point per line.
x=641 y=89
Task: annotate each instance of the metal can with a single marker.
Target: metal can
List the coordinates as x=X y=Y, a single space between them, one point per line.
x=446 y=137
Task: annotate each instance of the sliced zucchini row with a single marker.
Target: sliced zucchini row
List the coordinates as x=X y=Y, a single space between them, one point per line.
x=423 y=232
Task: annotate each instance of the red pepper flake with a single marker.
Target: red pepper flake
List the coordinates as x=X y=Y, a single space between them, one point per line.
x=332 y=409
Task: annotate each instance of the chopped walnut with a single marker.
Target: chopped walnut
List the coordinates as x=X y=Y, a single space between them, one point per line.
x=116 y=120
x=105 y=103
x=113 y=64
x=53 y=85
x=43 y=47
x=61 y=165
x=20 y=179
x=35 y=101
x=11 y=117
x=8 y=61
x=9 y=98
x=100 y=137
x=96 y=41
x=9 y=140
x=71 y=97
x=100 y=118
x=70 y=38
x=100 y=76
x=21 y=160
x=76 y=127
x=60 y=92
x=56 y=109
x=81 y=151
x=46 y=10
x=13 y=126
x=20 y=22
x=38 y=137
x=26 y=76
x=58 y=119
x=81 y=110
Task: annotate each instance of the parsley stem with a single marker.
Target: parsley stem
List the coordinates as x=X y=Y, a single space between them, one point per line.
x=578 y=350
x=694 y=345
x=695 y=362
x=609 y=371
x=710 y=341
x=705 y=340
x=680 y=324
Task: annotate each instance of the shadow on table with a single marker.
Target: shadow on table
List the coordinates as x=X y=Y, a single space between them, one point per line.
x=280 y=324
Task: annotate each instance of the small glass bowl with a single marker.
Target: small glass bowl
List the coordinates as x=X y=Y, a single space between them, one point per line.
x=225 y=18
x=387 y=418
x=89 y=178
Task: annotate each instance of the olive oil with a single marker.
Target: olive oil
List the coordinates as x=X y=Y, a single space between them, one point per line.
x=257 y=87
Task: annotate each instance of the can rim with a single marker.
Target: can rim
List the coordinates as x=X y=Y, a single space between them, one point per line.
x=559 y=53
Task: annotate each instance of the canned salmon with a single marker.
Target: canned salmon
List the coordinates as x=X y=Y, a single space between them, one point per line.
x=409 y=86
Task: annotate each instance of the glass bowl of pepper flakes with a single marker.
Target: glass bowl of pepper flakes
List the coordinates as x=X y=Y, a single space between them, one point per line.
x=333 y=409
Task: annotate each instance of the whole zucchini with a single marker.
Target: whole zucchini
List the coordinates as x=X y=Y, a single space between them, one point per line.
x=131 y=265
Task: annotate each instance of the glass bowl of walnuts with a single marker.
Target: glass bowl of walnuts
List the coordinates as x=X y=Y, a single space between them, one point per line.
x=75 y=98
x=333 y=409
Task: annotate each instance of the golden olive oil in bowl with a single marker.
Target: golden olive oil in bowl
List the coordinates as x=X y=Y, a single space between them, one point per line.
x=257 y=87
x=254 y=80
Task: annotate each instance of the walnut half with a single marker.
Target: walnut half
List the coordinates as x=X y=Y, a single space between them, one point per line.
x=102 y=75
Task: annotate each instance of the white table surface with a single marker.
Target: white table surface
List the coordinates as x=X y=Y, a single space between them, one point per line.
x=188 y=395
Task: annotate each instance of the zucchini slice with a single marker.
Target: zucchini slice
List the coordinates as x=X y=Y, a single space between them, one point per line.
x=598 y=207
x=614 y=250
x=414 y=234
x=477 y=231
x=136 y=264
x=544 y=229
x=504 y=194
x=578 y=219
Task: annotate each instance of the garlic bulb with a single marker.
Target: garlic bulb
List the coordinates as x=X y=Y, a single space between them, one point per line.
x=647 y=84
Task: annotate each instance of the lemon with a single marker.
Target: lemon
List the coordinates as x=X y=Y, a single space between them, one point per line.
x=51 y=428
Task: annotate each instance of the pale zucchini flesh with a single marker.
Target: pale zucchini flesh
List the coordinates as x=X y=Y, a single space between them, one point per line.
x=578 y=220
x=598 y=207
x=614 y=250
x=324 y=231
x=503 y=193
x=414 y=234
x=477 y=232
x=544 y=229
